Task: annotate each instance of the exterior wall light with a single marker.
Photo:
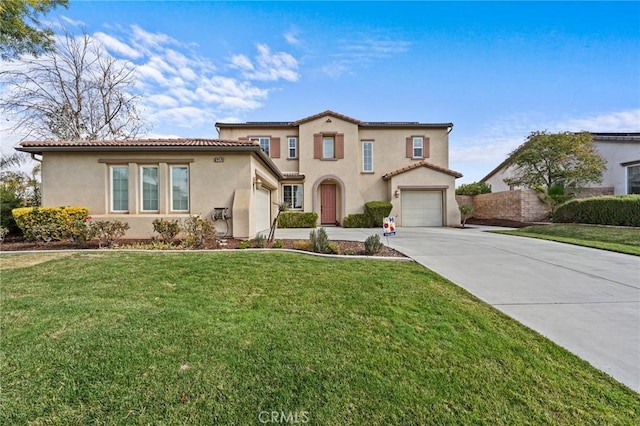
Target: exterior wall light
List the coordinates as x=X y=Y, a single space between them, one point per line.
x=397 y=193
x=257 y=183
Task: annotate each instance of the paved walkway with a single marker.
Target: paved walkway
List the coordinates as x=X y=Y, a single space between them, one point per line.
x=586 y=300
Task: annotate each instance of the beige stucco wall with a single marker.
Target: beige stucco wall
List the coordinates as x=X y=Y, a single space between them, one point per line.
x=82 y=179
x=426 y=179
x=354 y=188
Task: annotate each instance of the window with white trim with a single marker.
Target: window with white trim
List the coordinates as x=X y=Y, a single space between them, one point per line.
x=328 y=147
x=633 y=179
x=179 y=188
x=367 y=156
x=292 y=196
x=149 y=190
x=293 y=147
x=264 y=143
x=119 y=177
x=418 y=147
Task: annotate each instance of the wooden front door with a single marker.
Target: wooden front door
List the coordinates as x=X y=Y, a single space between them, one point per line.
x=327 y=204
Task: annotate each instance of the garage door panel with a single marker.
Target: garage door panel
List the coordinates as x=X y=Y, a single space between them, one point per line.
x=421 y=208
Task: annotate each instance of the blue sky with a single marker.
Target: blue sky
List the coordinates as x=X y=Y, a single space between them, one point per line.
x=498 y=71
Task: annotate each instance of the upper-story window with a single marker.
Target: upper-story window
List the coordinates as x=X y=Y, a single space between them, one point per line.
x=328 y=147
x=264 y=143
x=418 y=147
x=293 y=147
x=367 y=156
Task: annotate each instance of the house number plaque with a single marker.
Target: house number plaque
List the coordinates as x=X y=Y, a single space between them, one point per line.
x=218 y=159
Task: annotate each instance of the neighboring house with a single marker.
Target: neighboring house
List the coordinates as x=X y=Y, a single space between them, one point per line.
x=621 y=152
x=328 y=163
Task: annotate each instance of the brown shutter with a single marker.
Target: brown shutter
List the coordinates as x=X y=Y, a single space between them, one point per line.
x=409 y=147
x=340 y=145
x=317 y=145
x=425 y=147
x=274 y=147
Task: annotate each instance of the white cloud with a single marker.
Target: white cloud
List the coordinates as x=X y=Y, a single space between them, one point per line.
x=112 y=44
x=268 y=66
x=291 y=36
x=618 y=121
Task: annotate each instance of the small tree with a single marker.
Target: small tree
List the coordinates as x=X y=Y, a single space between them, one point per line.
x=550 y=161
x=466 y=210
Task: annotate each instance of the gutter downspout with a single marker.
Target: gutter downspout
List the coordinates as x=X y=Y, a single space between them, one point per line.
x=33 y=157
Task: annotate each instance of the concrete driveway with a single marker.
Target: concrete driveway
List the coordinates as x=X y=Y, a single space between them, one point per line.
x=586 y=300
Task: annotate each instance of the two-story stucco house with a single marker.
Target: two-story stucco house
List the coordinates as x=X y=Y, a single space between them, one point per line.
x=327 y=163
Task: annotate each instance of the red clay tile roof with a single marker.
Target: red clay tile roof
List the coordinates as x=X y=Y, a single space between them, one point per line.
x=182 y=142
x=423 y=163
x=289 y=124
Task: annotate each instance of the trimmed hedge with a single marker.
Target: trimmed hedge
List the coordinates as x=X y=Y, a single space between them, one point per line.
x=474 y=188
x=619 y=210
x=297 y=220
x=358 y=220
x=49 y=223
x=378 y=210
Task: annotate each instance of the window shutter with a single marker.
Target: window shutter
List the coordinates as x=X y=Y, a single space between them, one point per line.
x=339 y=145
x=425 y=147
x=409 y=147
x=317 y=145
x=274 y=148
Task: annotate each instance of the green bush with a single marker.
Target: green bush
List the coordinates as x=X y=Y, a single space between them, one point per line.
x=244 y=245
x=297 y=220
x=319 y=240
x=373 y=245
x=197 y=232
x=44 y=224
x=278 y=244
x=9 y=201
x=168 y=229
x=474 y=188
x=377 y=211
x=259 y=241
x=619 y=210
x=333 y=248
x=358 y=220
x=108 y=232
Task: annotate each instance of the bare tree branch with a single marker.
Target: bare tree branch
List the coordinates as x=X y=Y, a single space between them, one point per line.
x=76 y=92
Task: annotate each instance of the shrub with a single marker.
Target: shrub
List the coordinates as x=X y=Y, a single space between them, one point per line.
x=108 y=232
x=377 y=210
x=3 y=233
x=259 y=241
x=620 y=210
x=466 y=210
x=197 y=232
x=49 y=223
x=244 y=245
x=302 y=245
x=319 y=240
x=333 y=248
x=349 y=252
x=9 y=201
x=297 y=220
x=474 y=188
x=278 y=244
x=358 y=220
x=373 y=245
x=168 y=229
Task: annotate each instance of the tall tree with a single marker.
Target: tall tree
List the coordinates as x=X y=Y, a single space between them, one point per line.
x=76 y=92
x=20 y=28
x=556 y=164
x=547 y=159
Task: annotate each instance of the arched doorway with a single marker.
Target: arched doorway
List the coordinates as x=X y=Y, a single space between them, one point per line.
x=329 y=199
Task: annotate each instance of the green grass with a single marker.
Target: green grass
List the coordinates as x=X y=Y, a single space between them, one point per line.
x=218 y=338
x=618 y=239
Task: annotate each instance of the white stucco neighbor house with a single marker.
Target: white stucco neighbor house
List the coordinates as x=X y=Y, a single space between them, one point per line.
x=621 y=152
x=327 y=163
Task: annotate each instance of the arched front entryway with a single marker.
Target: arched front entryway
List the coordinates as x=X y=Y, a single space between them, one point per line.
x=329 y=199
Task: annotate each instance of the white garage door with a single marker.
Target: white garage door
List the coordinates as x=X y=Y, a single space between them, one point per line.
x=421 y=208
x=262 y=211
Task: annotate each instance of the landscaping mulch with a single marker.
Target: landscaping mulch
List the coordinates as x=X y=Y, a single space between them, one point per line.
x=19 y=244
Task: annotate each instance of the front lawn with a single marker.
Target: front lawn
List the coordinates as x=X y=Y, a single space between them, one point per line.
x=222 y=338
x=618 y=239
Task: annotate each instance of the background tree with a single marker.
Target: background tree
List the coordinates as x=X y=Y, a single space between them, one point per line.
x=20 y=28
x=17 y=188
x=76 y=92
x=556 y=164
